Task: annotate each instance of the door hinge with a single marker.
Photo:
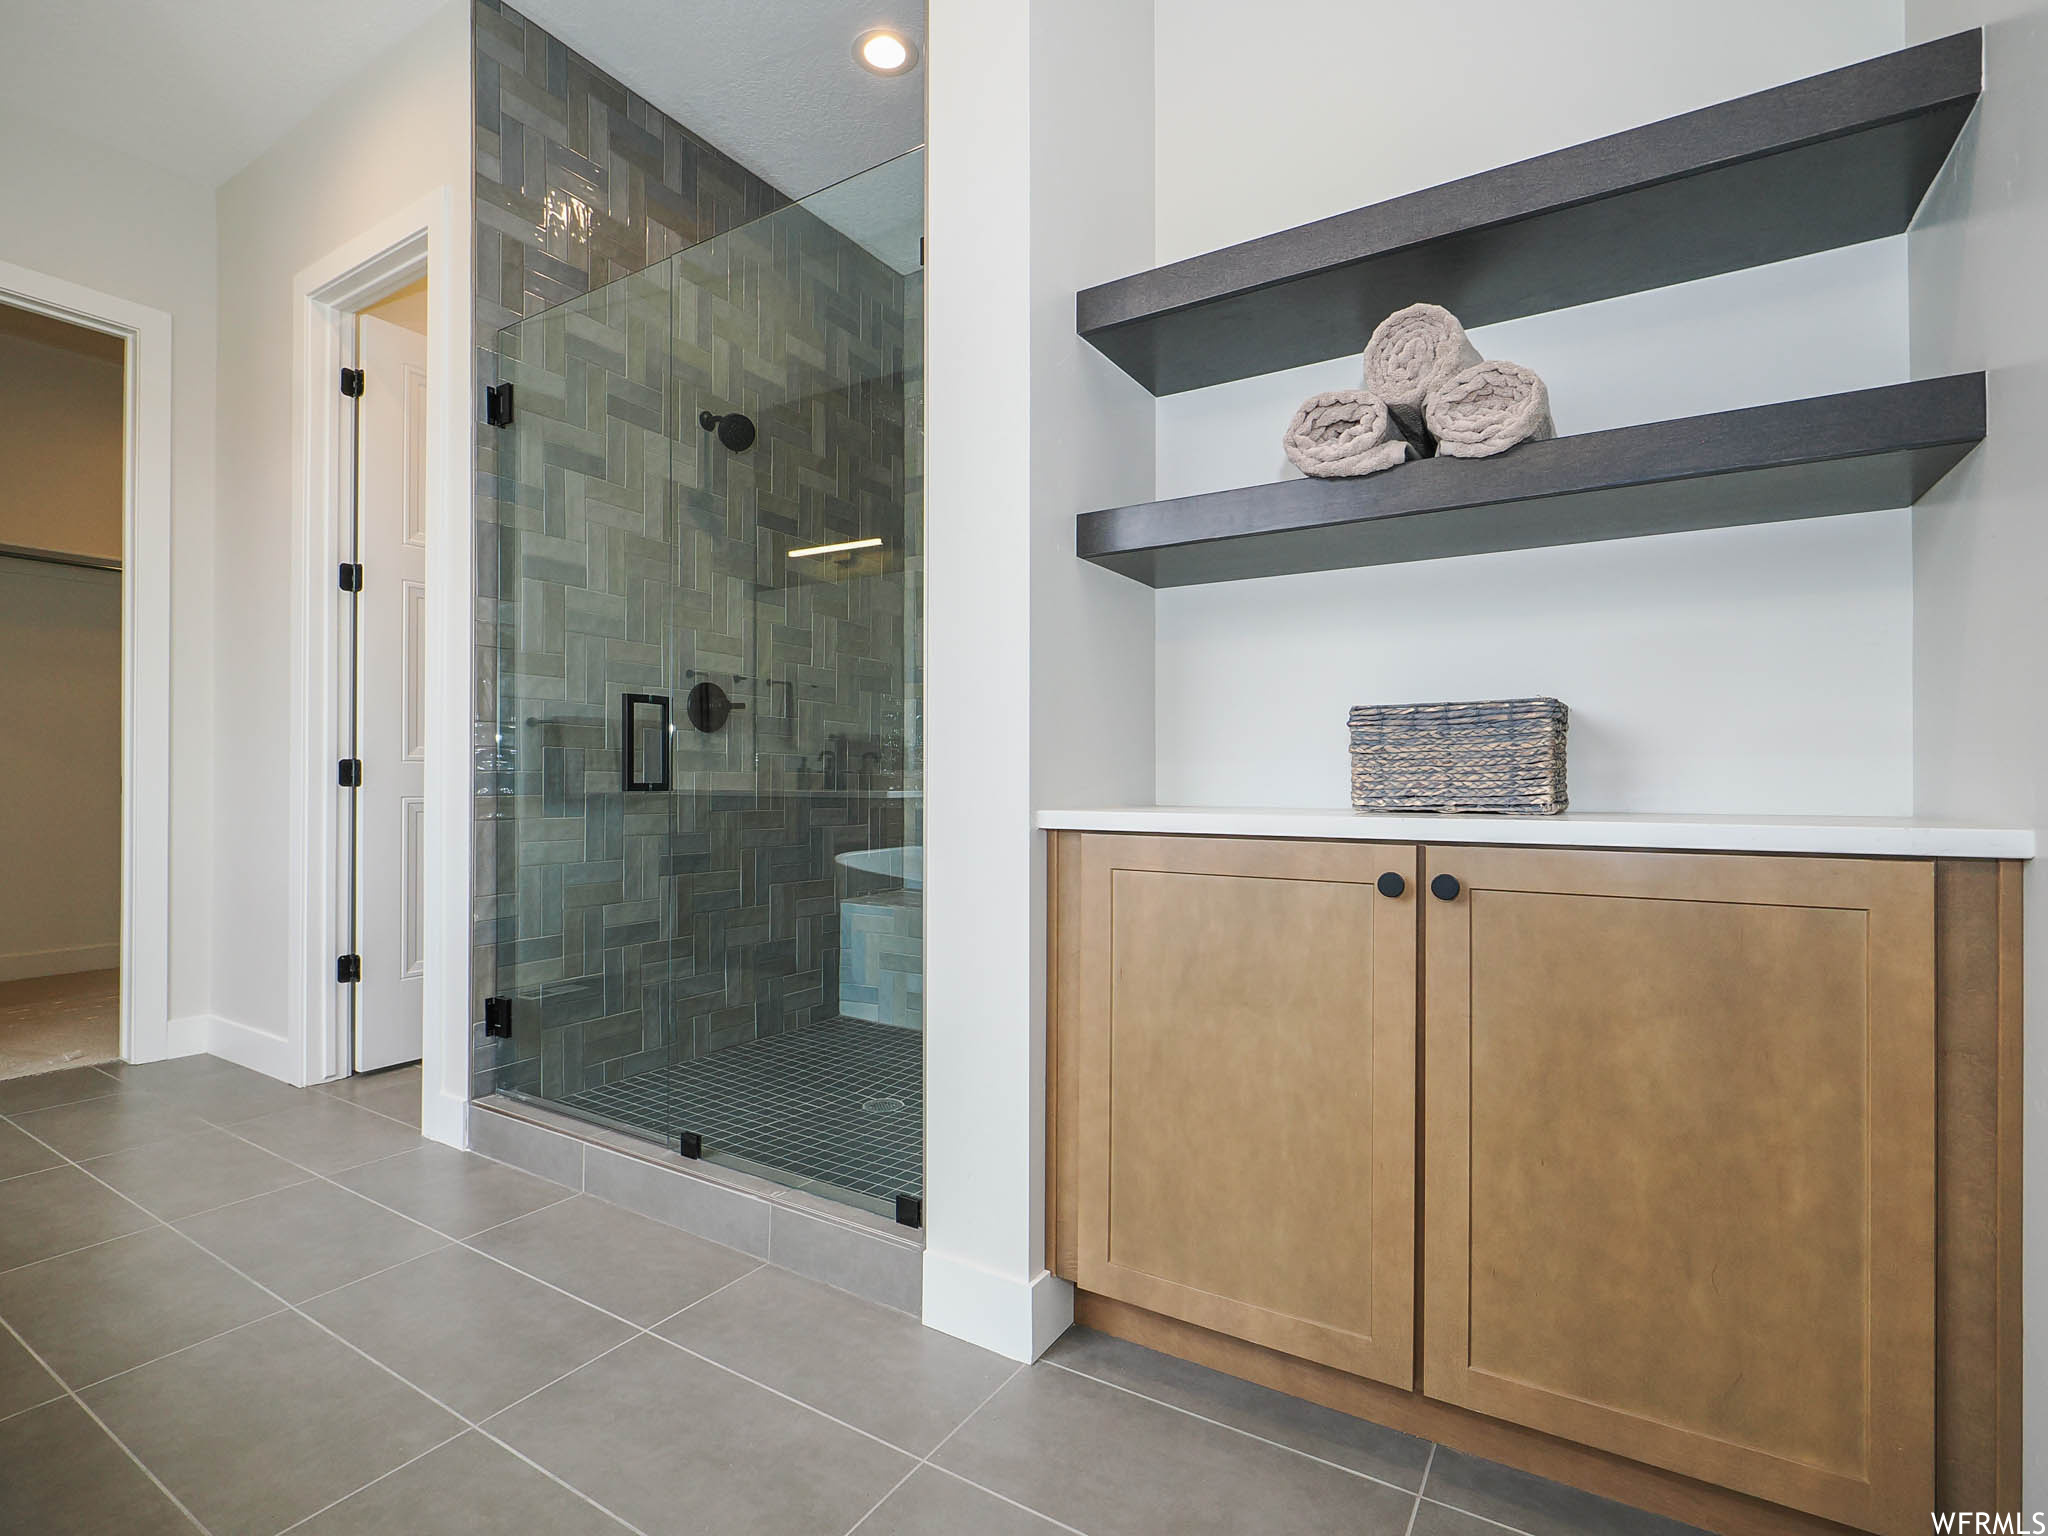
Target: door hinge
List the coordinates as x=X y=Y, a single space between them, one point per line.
x=348 y=968
x=352 y=383
x=498 y=405
x=351 y=773
x=498 y=1017
x=910 y=1210
x=690 y=1144
x=351 y=576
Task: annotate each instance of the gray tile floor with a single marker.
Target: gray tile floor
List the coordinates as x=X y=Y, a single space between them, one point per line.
x=240 y=1308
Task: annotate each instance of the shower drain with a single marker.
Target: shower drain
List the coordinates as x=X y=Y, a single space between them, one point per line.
x=886 y=1105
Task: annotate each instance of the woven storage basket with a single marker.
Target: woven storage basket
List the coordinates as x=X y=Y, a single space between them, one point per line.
x=1504 y=755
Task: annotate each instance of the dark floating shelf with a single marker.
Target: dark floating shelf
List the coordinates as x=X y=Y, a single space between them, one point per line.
x=1857 y=452
x=1828 y=161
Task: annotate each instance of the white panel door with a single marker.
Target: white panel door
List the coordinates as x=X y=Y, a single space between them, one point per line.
x=390 y=697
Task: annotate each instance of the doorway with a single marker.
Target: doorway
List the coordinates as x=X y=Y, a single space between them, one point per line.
x=63 y=399
x=383 y=685
x=332 y=915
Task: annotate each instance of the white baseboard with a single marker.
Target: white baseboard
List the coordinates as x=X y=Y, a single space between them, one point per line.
x=444 y=1117
x=189 y=1035
x=60 y=962
x=245 y=1046
x=1016 y=1318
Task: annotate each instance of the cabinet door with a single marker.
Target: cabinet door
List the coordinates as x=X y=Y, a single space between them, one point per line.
x=1245 y=1100
x=1679 y=1165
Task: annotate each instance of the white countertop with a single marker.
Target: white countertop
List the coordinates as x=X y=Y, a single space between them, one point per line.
x=1901 y=838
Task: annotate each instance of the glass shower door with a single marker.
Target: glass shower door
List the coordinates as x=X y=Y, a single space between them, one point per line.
x=703 y=801
x=798 y=1052
x=576 y=818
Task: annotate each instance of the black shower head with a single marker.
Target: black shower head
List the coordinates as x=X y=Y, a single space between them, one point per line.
x=735 y=432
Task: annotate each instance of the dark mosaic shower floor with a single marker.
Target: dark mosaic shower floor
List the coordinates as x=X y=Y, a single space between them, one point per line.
x=815 y=1104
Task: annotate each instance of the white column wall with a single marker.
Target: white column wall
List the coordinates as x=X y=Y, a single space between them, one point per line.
x=1039 y=672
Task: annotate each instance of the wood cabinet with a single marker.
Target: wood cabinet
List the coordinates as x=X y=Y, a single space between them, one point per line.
x=1717 y=1155
x=1244 y=1120
x=1680 y=1150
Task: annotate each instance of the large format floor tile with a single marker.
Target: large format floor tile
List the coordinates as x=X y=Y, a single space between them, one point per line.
x=19 y=1095
x=194 y=1173
x=309 y=1238
x=23 y=1383
x=95 y=1127
x=873 y=1367
x=222 y=1093
x=469 y=1487
x=1535 y=1504
x=22 y=1153
x=48 y=1213
x=454 y=1192
x=935 y=1503
x=395 y=1093
x=61 y=1476
x=639 y=1268
x=327 y=1136
x=117 y=1305
x=1119 y=1465
x=467 y=1330
x=1369 y=1448
x=267 y=1425
x=676 y=1446
x=168 y=1076
x=1442 y=1520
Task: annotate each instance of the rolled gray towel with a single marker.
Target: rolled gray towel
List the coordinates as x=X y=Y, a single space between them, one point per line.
x=1487 y=409
x=1413 y=352
x=1344 y=432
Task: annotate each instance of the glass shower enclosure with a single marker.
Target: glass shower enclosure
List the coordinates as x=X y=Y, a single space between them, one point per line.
x=700 y=750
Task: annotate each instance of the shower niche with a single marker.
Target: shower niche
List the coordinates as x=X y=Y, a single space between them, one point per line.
x=700 y=761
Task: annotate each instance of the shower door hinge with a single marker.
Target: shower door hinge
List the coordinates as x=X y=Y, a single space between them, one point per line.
x=690 y=1144
x=498 y=405
x=348 y=968
x=498 y=1018
x=352 y=383
x=910 y=1210
x=351 y=576
x=351 y=773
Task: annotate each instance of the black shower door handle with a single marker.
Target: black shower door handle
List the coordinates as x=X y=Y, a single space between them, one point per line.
x=644 y=741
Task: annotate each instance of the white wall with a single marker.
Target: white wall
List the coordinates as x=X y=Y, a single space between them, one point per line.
x=398 y=131
x=1039 y=670
x=1304 y=108
x=1691 y=662
x=60 y=772
x=116 y=224
x=1981 y=538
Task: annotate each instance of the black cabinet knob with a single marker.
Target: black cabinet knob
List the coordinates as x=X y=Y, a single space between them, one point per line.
x=1445 y=887
x=1391 y=884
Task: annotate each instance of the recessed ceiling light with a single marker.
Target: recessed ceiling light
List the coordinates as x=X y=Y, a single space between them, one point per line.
x=885 y=51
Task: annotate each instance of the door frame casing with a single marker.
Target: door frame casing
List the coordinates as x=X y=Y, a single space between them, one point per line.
x=145 y=642
x=422 y=240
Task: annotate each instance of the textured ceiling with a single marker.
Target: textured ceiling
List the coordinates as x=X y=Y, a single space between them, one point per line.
x=771 y=82
x=203 y=87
